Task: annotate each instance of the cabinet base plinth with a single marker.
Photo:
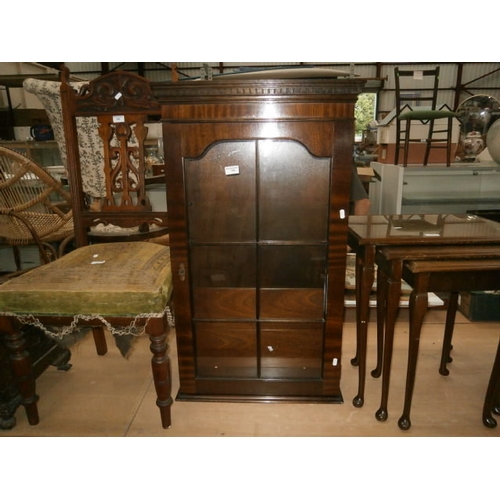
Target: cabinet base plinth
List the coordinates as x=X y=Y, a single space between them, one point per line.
x=223 y=398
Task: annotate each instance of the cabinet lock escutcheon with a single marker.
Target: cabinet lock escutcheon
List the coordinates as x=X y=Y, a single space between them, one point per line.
x=182 y=272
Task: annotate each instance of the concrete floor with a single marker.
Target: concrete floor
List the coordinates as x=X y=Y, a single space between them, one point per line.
x=113 y=396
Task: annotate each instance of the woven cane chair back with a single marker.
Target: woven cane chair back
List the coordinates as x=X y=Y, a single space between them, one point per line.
x=34 y=207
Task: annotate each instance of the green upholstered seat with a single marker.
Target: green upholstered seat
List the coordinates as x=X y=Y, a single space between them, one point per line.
x=427 y=114
x=109 y=279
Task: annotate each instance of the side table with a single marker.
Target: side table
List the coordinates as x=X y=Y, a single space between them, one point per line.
x=474 y=268
x=368 y=233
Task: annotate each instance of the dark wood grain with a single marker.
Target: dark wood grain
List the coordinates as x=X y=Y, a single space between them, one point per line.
x=258 y=254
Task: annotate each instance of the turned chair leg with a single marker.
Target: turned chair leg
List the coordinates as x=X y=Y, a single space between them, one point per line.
x=22 y=367
x=99 y=340
x=157 y=328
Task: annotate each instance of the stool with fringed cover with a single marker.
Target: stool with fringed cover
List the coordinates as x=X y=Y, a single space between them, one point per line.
x=124 y=286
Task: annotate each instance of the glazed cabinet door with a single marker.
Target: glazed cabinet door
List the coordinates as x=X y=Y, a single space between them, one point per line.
x=221 y=221
x=257 y=221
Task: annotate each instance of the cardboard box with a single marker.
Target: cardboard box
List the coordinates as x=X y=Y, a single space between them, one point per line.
x=480 y=306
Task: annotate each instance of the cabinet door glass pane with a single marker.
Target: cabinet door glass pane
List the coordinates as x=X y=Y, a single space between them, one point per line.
x=292 y=266
x=291 y=350
x=291 y=303
x=220 y=191
x=223 y=265
x=223 y=281
x=294 y=189
x=292 y=281
x=226 y=350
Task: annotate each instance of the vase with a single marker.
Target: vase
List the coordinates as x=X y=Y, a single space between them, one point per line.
x=493 y=141
x=473 y=145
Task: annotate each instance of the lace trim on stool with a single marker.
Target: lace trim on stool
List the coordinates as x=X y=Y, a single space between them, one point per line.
x=60 y=332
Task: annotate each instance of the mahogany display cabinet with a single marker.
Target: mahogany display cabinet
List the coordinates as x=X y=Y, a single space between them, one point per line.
x=258 y=177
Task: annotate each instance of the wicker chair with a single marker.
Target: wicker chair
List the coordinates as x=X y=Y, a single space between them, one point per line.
x=35 y=208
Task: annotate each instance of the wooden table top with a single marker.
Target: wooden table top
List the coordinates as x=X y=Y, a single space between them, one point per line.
x=439 y=229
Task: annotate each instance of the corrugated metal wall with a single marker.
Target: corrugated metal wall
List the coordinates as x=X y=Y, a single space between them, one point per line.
x=458 y=80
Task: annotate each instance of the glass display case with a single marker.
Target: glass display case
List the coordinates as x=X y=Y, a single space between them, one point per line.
x=435 y=189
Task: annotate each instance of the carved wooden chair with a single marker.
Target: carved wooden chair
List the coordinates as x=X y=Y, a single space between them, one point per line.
x=123 y=204
x=35 y=209
x=91 y=158
x=125 y=286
